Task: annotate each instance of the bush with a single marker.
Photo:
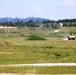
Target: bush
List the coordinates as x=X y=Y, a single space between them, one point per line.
x=35 y=37
x=57 y=54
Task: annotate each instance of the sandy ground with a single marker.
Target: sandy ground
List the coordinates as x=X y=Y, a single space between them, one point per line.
x=56 y=30
x=1 y=27
x=65 y=38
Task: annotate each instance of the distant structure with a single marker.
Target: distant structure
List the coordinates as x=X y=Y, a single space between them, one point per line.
x=7 y=30
x=61 y=24
x=71 y=37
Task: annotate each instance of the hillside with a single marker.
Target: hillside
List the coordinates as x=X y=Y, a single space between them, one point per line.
x=21 y=19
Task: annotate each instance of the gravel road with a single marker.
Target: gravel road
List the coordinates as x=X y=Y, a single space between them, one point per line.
x=41 y=64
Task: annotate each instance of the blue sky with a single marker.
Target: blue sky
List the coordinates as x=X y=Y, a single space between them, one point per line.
x=50 y=9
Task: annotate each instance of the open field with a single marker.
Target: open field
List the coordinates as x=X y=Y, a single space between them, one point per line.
x=39 y=70
x=16 y=49
x=19 y=51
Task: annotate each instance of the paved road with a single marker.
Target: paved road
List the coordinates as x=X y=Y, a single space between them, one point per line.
x=41 y=64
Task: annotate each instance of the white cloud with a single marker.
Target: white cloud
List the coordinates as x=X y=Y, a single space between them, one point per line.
x=38 y=8
x=69 y=3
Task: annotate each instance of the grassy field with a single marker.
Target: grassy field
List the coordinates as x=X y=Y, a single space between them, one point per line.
x=19 y=50
x=39 y=70
x=16 y=49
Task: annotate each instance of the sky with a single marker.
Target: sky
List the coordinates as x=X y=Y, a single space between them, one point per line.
x=49 y=9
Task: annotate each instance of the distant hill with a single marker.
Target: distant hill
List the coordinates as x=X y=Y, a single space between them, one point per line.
x=22 y=19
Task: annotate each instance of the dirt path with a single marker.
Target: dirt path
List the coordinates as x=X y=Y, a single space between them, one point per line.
x=22 y=74
x=41 y=64
x=33 y=74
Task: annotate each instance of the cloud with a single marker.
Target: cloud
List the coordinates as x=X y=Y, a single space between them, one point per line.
x=69 y=3
x=38 y=8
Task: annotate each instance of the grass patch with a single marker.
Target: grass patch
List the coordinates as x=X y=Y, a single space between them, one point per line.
x=16 y=49
x=20 y=51
x=39 y=70
x=35 y=37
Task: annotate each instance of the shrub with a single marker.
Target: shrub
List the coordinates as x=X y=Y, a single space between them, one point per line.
x=57 y=54
x=35 y=37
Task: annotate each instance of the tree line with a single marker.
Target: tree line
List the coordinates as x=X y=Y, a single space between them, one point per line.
x=44 y=24
x=68 y=22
